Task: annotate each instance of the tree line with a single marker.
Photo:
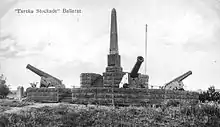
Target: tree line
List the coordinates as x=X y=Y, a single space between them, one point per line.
x=210 y=95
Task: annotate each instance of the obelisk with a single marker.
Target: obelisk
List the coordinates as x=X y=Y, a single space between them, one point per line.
x=113 y=33
x=114 y=57
x=113 y=74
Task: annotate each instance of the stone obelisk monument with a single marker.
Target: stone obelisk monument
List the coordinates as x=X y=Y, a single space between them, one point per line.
x=113 y=74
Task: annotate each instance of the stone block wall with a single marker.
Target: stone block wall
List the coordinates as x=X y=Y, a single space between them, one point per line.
x=42 y=94
x=112 y=79
x=129 y=96
x=91 y=80
x=110 y=96
x=49 y=94
x=144 y=80
x=64 y=95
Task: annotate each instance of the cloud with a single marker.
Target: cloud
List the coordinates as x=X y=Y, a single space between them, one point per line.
x=206 y=34
x=5 y=6
x=8 y=46
x=11 y=48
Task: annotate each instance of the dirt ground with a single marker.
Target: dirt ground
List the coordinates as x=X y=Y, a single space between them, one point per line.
x=9 y=106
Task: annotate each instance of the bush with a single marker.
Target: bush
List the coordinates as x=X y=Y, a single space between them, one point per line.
x=4 y=89
x=3 y=121
x=209 y=95
x=202 y=114
x=173 y=103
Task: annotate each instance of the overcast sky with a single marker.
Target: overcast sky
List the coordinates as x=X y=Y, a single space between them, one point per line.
x=182 y=35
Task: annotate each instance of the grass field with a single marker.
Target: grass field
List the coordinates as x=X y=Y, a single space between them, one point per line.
x=20 y=114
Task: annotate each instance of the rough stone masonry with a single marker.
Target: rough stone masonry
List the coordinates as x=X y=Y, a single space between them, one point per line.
x=114 y=73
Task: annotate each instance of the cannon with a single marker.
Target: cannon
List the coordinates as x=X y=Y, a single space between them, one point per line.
x=47 y=80
x=177 y=84
x=135 y=79
x=134 y=71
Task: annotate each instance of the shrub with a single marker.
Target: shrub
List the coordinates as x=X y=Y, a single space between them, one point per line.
x=71 y=119
x=174 y=103
x=4 y=89
x=209 y=95
x=3 y=121
x=158 y=117
x=202 y=114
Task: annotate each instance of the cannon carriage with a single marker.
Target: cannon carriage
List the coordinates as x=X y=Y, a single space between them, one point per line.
x=135 y=79
x=177 y=84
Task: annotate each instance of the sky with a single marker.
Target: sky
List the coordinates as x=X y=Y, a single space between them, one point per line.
x=182 y=35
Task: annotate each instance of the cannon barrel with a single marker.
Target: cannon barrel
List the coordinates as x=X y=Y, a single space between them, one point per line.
x=185 y=75
x=180 y=78
x=134 y=71
x=40 y=73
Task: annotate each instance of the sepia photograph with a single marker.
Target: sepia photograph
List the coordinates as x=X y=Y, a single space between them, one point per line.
x=112 y=63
